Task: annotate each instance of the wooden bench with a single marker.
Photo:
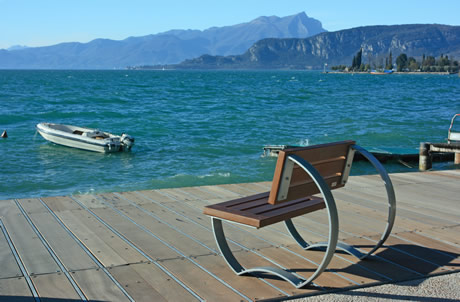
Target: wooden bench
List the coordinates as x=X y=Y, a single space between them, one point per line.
x=300 y=174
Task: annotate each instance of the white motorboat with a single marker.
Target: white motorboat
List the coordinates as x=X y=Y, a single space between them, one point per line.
x=85 y=138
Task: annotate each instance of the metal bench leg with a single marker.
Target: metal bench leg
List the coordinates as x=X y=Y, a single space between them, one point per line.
x=329 y=199
x=390 y=220
x=291 y=278
x=390 y=194
x=320 y=245
x=238 y=268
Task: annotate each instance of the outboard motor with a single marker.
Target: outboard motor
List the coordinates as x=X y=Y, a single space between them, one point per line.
x=127 y=141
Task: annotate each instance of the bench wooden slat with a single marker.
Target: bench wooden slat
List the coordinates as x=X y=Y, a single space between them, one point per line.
x=298 y=191
x=244 y=199
x=264 y=214
x=328 y=159
x=325 y=169
x=250 y=205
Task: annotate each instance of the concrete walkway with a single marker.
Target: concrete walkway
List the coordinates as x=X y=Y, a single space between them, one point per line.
x=439 y=288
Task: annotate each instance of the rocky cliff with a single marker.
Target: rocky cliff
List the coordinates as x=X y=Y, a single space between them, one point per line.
x=339 y=47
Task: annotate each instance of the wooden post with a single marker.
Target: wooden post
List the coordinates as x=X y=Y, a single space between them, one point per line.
x=425 y=161
x=457 y=159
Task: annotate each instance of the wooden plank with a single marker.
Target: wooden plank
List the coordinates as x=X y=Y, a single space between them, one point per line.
x=242 y=235
x=240 y=189
x=424 y=177
x=200 y=281
x=157 y=196
x=364 y=181
x=405 y=260
x=33 y=205
x=414 y=194
x=222 y=192
x=445 y=234
x=54 y=286
x=369 y=211
x=97 y=237
x=90 y=201
x=231 y=232
x=33 y=253
x=177 y=194
x=9 y=267
x=419 y=238
x=7 y=207
x=200 y=231
x=305 y=268
x=181 y=242
x=113 y=199
x=195 y=214
x=96 y=285
x=351 y=224
x=249 y=285
x=428 y=253
x=66 y=248
x=251 y=188
x=412 y=208
x=61 y=203
x=148 y=244
x=147 y=282
x=199 y=193
x=450 y=173
x=98 y=247
x=338 y=264
x=15 y=289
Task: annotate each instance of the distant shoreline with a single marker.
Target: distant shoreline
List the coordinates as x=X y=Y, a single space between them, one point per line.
x=396 y=72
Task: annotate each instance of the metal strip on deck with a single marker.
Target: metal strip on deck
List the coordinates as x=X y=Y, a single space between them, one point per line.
x=157 y=244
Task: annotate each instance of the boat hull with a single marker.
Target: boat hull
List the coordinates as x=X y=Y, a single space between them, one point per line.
x=65 y=138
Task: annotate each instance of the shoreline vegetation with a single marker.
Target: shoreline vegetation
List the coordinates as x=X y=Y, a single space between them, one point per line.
x=404 y=65
x=395 y=72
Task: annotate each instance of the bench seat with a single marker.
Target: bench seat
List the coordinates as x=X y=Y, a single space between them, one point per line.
x=257 y=212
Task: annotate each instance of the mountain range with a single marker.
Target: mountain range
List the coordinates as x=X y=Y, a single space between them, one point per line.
x=164 y=48
x=335 y=48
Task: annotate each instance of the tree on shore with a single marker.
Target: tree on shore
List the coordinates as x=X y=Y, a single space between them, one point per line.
x=401 y=62
x=356 y=63
x=389 y=64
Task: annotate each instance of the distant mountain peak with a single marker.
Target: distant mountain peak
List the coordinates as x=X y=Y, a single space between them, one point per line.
x=169 y=47
x=265 y=19
x=17 y=47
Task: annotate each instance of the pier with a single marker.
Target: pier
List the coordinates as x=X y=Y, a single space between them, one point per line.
x=156 y=245
x=429 y=150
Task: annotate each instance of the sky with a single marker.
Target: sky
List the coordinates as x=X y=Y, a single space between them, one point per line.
x=48 y=22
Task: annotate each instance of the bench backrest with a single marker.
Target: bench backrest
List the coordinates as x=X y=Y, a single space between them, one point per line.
x=290 y=181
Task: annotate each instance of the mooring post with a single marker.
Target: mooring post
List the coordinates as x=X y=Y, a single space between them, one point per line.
x=425 y=161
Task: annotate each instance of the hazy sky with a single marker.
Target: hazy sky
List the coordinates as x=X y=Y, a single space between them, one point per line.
x=47 y=22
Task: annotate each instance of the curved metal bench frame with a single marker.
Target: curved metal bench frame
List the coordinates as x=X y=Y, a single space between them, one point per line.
x=390 y=219
x=290 y=277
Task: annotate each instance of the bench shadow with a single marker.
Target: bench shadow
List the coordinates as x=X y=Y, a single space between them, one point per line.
x=395 y=263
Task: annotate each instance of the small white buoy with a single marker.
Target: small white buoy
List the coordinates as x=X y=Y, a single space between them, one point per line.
x=4 y=134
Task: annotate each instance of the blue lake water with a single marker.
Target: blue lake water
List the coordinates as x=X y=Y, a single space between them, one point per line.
x=205 y=127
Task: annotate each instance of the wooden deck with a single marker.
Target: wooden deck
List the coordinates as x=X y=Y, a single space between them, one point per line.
x=156 y=245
